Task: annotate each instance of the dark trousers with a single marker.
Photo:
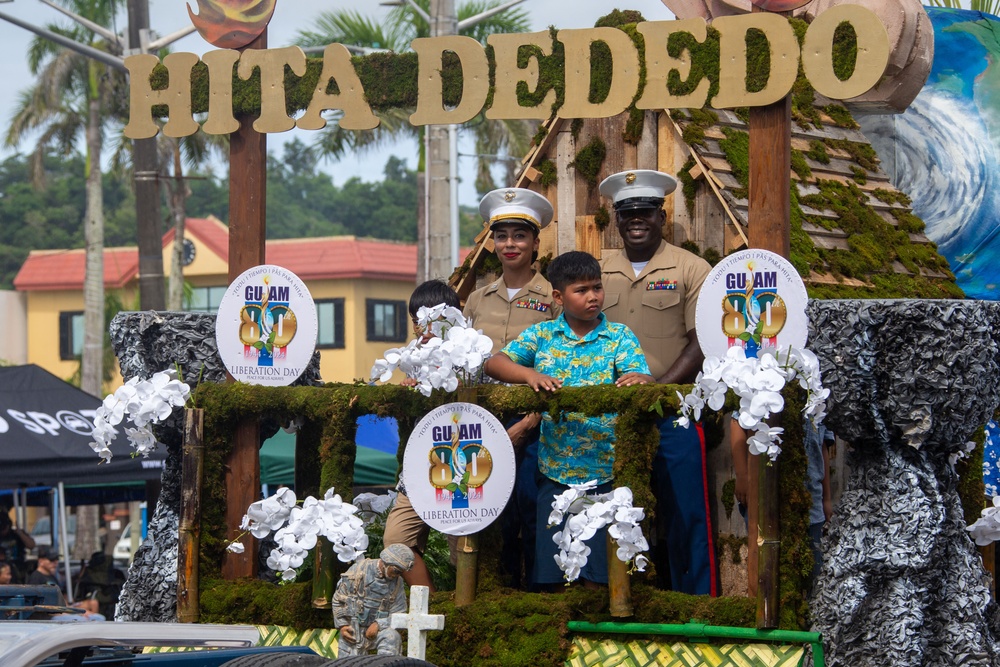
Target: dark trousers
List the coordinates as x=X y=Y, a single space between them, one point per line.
x=680 y=482
x=517 y=521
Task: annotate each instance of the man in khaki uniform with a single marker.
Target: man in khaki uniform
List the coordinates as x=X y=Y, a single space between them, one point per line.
x=653 y=287
x=519 y=298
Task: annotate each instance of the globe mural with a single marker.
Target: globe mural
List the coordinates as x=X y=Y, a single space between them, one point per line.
x=943 y=151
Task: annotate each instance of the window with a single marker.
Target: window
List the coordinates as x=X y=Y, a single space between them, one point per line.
x=205 y=299
x=70 y=335
x=330 y=321
x=386 y=320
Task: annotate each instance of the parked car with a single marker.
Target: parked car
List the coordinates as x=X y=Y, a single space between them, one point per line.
x=122 y=553
x=41 y=532
x=39 y=629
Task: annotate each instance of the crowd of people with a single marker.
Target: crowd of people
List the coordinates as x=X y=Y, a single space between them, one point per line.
x=629 y=320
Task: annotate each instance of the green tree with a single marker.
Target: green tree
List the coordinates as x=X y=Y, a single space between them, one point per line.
x=401 y=27
x=73 y=98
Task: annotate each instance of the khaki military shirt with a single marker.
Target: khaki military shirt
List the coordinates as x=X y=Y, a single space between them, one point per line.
x=659 y=304
x=503 y=320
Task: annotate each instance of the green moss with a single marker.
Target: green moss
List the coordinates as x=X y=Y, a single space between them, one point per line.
x=712 y=256
x=633 y=126
x=796 y=558
x=731 y=544
x=602 y=218
x=845 y=51
x=693 y=135
x=729 y=496
x=736 y=147
x=490 y=265
x=859 y=174
x=908 y=222
x=688 y=185
x=540 y=134
x=703 y=117
x=589 y=160
x=863 y=154
x=891 y=196
x=817 y=152
x=548 y=173
x=758 y=60
x=618 y=18
x=841 y=117
x=691 y=247
x=800 y=166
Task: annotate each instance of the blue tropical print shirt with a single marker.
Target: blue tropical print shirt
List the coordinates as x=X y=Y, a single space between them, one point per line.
x=578 y=448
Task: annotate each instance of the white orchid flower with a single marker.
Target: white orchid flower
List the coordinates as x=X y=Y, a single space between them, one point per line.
x=585 y=515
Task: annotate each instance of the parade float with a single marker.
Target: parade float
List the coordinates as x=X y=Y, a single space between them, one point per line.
x=911 y=381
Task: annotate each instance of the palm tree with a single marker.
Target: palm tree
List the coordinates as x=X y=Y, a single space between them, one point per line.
x=72 y=98
x=401 y=27
x=173 y=153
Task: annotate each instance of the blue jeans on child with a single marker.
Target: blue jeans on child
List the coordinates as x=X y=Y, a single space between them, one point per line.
x=546 y=569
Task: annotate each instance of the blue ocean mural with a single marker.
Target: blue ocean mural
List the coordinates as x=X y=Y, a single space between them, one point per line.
x=943 y=151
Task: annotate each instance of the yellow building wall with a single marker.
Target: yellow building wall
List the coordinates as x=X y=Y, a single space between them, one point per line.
x=336 y=365
x=207 y=269
x=43 y=309
x=355 y=360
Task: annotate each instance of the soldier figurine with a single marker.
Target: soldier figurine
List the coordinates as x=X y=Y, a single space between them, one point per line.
x=367 y=595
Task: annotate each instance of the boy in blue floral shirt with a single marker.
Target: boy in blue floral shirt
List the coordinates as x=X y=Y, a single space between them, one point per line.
x=580 y=348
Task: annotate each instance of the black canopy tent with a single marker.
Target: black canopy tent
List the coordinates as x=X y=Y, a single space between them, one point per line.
x=45 y=426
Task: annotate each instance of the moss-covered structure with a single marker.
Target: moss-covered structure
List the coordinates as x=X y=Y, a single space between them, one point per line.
x=533 y=625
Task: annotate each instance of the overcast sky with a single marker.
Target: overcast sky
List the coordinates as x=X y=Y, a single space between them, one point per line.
x=290 y=16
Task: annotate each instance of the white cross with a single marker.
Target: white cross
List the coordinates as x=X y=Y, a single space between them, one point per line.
x=417 y=623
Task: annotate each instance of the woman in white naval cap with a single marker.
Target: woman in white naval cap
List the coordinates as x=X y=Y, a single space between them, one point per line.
x=503 y=309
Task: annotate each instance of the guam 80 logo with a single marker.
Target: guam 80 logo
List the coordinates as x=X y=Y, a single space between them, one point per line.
x=753 y=314
x=267 y=322
x=458 y=468
x=459 y=463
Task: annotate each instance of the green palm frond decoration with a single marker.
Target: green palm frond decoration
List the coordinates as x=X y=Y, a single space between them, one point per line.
x=987 y=6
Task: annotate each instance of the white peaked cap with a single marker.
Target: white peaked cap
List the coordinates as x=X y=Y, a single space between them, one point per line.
x=637 y=188
x=516 y=205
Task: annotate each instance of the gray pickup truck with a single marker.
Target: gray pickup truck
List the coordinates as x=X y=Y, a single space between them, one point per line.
x=34 y=632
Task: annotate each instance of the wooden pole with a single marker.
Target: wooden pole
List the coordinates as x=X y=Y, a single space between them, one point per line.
x=189 y=533
x=467 y=564
x=467 y=570
x=770 y=229
x=247 y=231
x=324 y=574
x=619 y=585
x=753 y=478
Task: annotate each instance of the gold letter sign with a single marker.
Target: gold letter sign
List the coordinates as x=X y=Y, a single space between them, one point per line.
x=816 y=57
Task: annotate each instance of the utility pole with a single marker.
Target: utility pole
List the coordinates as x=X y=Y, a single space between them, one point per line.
x=444 y=21
x=149 y=227
x=440 y=241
